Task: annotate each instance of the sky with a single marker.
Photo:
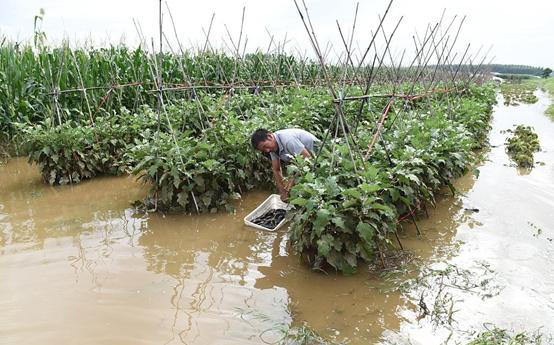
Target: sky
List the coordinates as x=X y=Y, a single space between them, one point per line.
x=516 y=32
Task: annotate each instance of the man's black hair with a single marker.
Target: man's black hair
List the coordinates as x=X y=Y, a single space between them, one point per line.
x=260 y=135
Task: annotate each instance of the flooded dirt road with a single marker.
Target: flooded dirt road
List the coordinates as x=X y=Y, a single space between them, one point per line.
x=79 y=266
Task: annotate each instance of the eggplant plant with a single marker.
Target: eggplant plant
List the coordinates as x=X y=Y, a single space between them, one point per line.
x=346 y=210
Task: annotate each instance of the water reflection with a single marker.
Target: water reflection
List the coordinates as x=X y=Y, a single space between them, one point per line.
x=516 y=294
x=213 y=277
x=359 y=308
x=32 y=212
x=215 y=262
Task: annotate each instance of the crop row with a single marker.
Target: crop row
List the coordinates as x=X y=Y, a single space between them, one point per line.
x=184 y=136
x=195 y=156
x=345 y=213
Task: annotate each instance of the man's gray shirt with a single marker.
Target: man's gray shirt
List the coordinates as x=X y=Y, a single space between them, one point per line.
x=292 y=142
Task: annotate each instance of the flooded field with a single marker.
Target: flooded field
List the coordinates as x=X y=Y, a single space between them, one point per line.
x=78 y=265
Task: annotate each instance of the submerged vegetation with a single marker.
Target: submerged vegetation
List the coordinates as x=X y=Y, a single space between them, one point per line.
x=517 y=92
x=295 y=335
x=545 y=84
x=522 y=145
x=499 y=336
x=282 y=333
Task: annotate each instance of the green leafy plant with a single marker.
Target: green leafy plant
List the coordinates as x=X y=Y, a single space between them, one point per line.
x=70 y=152
x=346 y=213
x=521 y=146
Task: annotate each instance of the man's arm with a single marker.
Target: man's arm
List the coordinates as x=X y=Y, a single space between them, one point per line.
x=278 y=177
x=305 y=153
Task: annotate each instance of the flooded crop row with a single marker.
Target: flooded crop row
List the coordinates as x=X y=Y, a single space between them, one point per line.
x=78 y=265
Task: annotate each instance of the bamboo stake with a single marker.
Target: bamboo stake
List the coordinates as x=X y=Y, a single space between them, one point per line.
x=185 y=76
x=315 y=45
x=84 y=90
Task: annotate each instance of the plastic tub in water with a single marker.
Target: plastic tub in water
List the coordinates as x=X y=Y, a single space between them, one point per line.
x=272 y=202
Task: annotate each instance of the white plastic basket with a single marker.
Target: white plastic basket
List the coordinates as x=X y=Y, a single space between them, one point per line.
x=272 y=202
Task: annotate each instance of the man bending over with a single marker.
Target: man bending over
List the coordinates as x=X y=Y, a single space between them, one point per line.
x=284 y=145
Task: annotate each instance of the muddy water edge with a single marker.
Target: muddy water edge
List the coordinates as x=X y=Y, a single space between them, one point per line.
x=79 y=266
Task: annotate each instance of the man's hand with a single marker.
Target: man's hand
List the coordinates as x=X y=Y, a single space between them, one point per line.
x=305 y=153
x=284 y=195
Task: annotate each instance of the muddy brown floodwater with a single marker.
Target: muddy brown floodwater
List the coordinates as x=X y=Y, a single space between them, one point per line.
x=79 y=266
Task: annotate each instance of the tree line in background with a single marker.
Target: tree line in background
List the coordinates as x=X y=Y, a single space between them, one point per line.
x=521 y=69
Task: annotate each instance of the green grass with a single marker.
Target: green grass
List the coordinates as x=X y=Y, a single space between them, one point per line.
x=548 y=85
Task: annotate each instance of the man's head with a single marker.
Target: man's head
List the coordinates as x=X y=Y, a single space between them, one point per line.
x=263 y=140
